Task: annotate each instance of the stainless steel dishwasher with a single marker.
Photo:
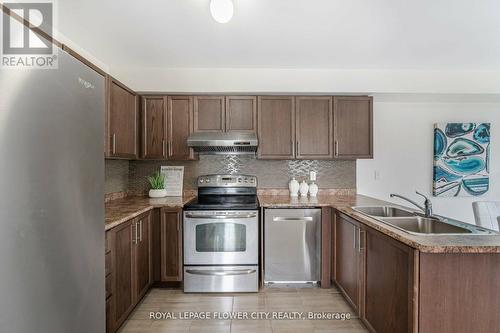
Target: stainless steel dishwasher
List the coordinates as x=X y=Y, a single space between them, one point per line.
x=292 y=245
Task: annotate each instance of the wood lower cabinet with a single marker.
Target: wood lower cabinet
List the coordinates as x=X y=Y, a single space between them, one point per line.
x=142 y=256
x=276 y=127
x=153 y=127
x=123 y=272
x=459 y=292
x=389 y=286
x=353 y=127
x=209 y=113
x=171 y=245
x=121 y=121
x=131 y=260
x=241 y=114
x=180 y=126
x=348 y=259
x=314 y=127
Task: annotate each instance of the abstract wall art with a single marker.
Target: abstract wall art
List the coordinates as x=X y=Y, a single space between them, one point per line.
x=461 y=159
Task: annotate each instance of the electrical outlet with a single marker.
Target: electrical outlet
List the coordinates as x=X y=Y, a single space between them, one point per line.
x=312 y=175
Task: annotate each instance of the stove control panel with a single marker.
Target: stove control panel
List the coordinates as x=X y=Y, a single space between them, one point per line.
x=227 y=181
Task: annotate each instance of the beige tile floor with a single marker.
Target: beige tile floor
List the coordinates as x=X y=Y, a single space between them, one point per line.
x=268 y=300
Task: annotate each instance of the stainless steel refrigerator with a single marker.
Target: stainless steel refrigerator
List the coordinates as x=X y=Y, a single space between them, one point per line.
x=52 y=199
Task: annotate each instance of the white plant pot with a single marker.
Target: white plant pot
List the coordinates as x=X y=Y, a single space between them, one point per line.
x=157 y=193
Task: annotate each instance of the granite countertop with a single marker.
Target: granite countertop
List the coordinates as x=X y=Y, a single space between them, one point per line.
x=427 y=244
x=121 y=210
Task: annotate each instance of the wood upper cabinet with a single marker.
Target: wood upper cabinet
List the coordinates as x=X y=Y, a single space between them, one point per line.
x=225 y=113
x=123 y=272
x=353 y=127
x=209 y=113
x=241 y=113
x=122 y=121
x=276 y=127
x=142 y=256
x=153 y=127
x=166 y=121
x=171 y=245
x=314 y=127
x=180 y=126
x=347 y=272
x=389 y=284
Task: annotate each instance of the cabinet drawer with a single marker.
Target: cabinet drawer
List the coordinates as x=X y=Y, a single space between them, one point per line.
x=109 y=291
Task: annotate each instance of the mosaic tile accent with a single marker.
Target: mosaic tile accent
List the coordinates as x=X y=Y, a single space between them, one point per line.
x=116 y=176
x=270 y=173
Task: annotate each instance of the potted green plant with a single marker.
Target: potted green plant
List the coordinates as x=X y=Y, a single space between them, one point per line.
x=157 y=183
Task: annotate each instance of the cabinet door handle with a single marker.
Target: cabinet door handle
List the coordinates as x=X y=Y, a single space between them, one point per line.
x=355 y=235
x=170 y=148
x=114 y=144
x=361 y=232
x=140 y=231
x=293 y=147
x=163 y=147
x=336 y=148
x=298 y=148
x=134 y=233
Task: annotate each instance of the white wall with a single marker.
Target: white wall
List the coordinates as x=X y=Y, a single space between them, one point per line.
x=307 y=80
x=403 y=147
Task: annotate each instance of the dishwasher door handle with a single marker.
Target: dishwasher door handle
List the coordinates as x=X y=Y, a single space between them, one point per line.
x=292 y=219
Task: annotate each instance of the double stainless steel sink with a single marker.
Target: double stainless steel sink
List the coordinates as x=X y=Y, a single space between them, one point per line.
x=414 y=223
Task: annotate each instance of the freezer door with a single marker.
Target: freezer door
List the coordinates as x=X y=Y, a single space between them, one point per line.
x=52 y=199
x=292 y=243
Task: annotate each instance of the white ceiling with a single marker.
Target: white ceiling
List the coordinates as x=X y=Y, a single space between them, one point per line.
x=348 y=34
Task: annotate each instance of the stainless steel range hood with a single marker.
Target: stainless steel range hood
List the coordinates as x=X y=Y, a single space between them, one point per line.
x=223 y=143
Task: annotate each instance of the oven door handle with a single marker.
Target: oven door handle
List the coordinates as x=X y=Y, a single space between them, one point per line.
x=292 y=219
x=221 y=217
x=221 y=272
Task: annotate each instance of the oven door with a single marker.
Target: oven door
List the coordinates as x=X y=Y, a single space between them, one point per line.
x=221 y=238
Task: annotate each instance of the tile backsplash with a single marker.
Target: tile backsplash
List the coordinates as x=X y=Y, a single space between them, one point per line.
x=116 y=176
x=270 y=173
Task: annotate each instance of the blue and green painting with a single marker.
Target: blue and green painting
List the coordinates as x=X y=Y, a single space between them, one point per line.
x=461 y=159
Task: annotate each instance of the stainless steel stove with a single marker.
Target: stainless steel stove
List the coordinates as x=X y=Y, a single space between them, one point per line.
x=221 y=235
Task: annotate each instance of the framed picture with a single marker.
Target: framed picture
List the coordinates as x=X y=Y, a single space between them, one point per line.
x=174 y=180
x=461 y=159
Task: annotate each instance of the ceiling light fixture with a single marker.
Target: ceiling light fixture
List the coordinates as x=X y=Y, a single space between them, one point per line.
x=222 y=10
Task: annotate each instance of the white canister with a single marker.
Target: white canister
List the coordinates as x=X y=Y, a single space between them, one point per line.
x=293 y=187
x=304 y=188
x=313 y=189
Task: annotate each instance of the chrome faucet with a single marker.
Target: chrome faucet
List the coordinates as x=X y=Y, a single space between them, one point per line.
x=427 y=208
